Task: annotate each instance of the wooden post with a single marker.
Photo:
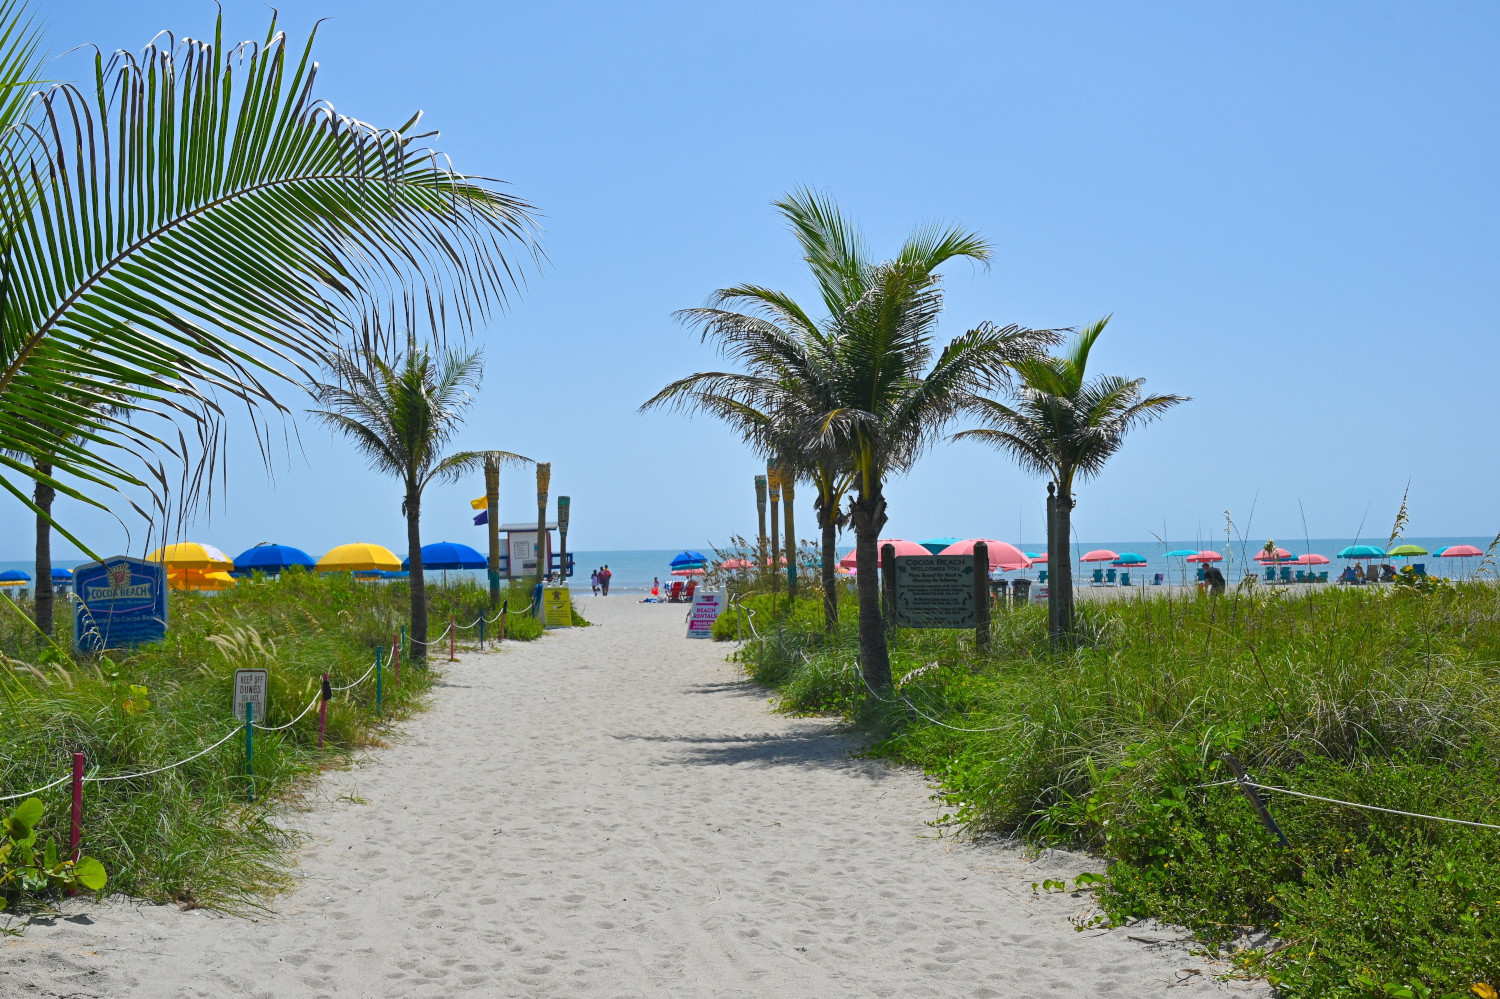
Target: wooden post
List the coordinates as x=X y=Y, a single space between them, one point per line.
x=888 y=586
x=1263 y=813
x=323 y=710
x=760 y=510
x=564 y=510
x=773 y=485
x=543 y=483
x=492 y=518
x=504 y=607
x=250 y=745
x=982 y=596
x=481 y=632
x=378 y=711
x=789 y=494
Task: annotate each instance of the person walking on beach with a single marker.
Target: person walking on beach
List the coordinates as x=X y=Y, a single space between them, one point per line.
x=1215 y=580
x=604 y=577
x=655 y=587
x=594 y=581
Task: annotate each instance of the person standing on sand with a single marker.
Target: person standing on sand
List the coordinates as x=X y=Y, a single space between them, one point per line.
x=604 y=577
x=1215 y=580
x=594 y=581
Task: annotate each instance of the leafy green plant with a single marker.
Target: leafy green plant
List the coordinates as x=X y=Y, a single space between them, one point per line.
x=35 y=867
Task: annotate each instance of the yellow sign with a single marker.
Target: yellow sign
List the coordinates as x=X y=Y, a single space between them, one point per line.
x=557 y=607
x=481 y=503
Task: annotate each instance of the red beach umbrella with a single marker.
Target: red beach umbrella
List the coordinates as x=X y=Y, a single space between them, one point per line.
x=1460 y=551
x=1206 y=556
x=737 y=563
x=1099 y=555
x=902 y=548
x=1312 y=560
x=1281 y=555
x=1003 y=557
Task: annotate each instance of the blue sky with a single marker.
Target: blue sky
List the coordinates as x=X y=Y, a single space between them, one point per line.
x=1289 y=209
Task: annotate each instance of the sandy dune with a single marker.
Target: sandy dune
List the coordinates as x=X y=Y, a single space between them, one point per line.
x=612 y=811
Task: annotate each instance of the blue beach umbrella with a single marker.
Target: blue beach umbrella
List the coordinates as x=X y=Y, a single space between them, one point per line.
x=61 y=575
x=689 y=560
x=270 y=559
x=1362 y=551
x=448 y=555
x=14 y=576
x=1129 y=558
x=936 y=545
x=1181 y=553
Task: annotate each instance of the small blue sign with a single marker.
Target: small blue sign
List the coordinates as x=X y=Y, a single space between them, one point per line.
x=120 y=602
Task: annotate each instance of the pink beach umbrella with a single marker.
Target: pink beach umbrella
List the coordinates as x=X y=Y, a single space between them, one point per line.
x=1039 y=559
x=737 y=563
x=1003 y=557
x=1311 y=559
x=1099 y=555
x=1460 y=551
x=902 y=547
x=1206 y=556
x=687 y=572
x=1282 y=555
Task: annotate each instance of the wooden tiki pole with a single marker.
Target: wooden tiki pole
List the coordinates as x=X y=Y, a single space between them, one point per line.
x=760 y=509
x=543 y=481
x=789 y=494
x=773 y=486
x=492 y=516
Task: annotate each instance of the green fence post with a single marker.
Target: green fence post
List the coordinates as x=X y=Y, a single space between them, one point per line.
x=250 y=745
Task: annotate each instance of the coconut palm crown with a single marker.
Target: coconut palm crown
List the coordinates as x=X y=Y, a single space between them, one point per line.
x=1066 y=426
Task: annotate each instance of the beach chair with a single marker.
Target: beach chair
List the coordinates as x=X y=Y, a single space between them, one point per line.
x=1042 y=577
x=1124 y=578
x=1270 y=574
x=1301 y=576
x=1109 y=576
x=1156 y=579
x=1099 y=577
x=675 y=596
x=687 y=597
x=1201 y=576
x=1323 y=576
x=1286 y=574
x=1420 y=568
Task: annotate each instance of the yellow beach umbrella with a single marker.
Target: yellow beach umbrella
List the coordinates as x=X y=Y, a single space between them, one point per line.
x=199 y=579
x=351 y=558
x=191 y=555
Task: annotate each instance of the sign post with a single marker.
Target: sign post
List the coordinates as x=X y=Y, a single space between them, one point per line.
x=251 y=686
x=557 y=607
x=121 y=602
x=707 y=606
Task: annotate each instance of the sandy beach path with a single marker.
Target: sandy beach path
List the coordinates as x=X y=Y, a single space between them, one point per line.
x=613 y=811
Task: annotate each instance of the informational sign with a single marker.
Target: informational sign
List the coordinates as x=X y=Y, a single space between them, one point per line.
x=557 y=607
x=935 y=591
x=121 y=602
x=251 y=686
x=522 y=553
x=707 y=606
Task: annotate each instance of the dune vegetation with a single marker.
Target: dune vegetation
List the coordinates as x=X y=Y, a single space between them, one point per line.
x=191 y=834
x=1119 y=746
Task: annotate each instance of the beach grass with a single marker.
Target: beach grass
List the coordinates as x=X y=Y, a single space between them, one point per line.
x=193 y=835
x=1383 y=697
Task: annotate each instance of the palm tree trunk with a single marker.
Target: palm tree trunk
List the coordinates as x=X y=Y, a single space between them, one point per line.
x=417 y=583
x=1052 y=549
x=789 y=498
x=45 y=595
x=1062 y=587
x=868 y=516
x=829 y=569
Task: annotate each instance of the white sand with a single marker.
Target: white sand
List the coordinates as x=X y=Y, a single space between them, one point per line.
x=613 y=811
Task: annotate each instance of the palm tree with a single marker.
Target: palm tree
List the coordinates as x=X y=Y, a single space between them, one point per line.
x=192 y=224
x=892 y=398
x=400 y=415
x=856 y=397
x=1066 y=426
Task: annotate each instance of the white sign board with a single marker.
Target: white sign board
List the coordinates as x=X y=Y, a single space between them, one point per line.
x=707 y=606
x=251 y=686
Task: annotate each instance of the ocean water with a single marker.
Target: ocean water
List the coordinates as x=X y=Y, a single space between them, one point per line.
x=635 y=569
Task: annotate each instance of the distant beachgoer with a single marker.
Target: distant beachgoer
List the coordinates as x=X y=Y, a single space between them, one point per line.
x=656 y=587
x=594 y=581
x=1214 y=578
x=604 y=577
x=1359 y=572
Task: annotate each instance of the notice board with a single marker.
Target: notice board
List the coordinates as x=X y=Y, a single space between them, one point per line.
x=557 y=607
x=120 y=602
x=935 y=591
x=707 y=605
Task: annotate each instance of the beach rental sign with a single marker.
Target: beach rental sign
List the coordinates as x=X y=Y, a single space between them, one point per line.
x=119 y=602
x=707 y=605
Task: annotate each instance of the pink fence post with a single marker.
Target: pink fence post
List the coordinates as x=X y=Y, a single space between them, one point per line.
x=452 y=639
x=323 y=710
x=75 y=836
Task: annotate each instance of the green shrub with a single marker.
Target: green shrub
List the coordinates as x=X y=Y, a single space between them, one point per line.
x=1385 y=698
